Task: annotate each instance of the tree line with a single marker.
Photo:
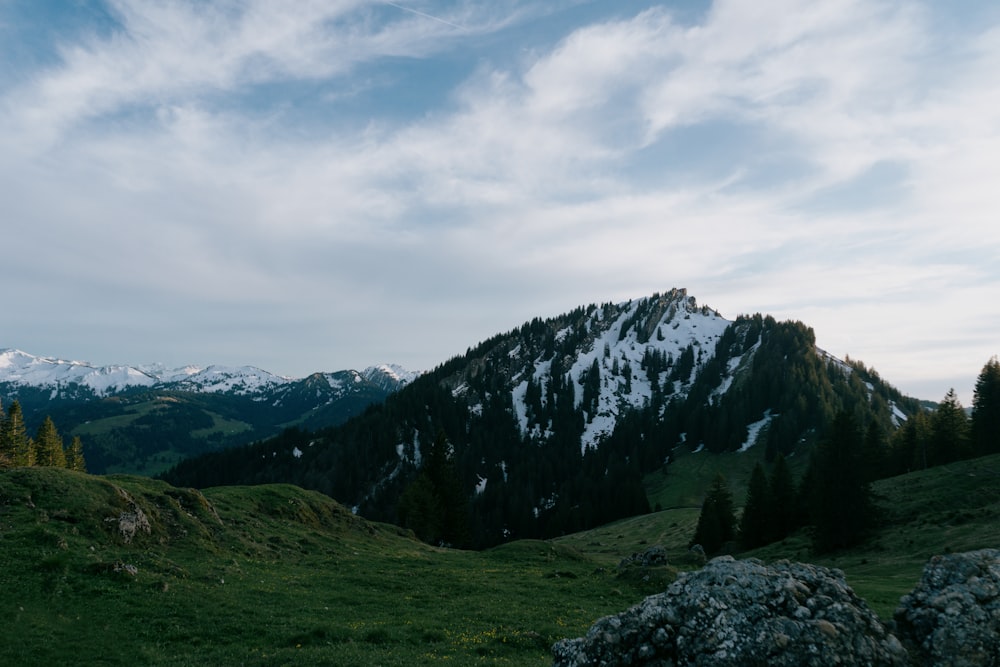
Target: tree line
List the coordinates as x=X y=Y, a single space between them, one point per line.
x=835 y=496
x=46 y=448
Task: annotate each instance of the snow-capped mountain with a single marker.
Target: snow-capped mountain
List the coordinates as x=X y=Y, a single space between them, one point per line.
x=666 y=331
x=390 y=377
x=553 y=424
x=138 y=418
x=23 y=369
x=18 y=368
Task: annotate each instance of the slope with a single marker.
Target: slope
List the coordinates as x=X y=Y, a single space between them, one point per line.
x=125 y=570
x=945 y=509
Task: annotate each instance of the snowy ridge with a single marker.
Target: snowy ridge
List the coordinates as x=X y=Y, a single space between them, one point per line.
x=390 y=377
x=619 y=357
x=240 y=380
x=22 y=369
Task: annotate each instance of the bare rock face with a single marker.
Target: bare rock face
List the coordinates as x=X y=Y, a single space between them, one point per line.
x=739 y=613
x=953 y=615
x=132 y=521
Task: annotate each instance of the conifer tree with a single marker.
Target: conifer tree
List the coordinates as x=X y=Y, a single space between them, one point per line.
x=434 y=505
x=420 y=509
x=74 y=455
x=949 y=431
x=985 y=425
x=15 y=441
x=757 y=511
x=783 y=498
x=49 y=446
x=909 y=445
x=876 y=453
x=6 y=452
x=717 y=522
x=843 y=509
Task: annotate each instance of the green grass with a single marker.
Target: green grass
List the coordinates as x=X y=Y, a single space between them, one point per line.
x=268 y=575
x=683 y=483
x=946 y=509
x=274 y=575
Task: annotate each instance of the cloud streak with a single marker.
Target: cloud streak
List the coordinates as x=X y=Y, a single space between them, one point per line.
x=200 y=177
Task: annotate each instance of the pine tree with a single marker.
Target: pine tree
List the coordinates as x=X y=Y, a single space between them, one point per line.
x=876 y=452
x=909 y=445
x=74 y=455
x=843 y=509
x=755 y=524
x=949 y=431
x=985 y=425
x=49 y=446
x=784 y=500
x=6 y=452
x=717 y=522
x=15 y=441
x=420 y=509
x=433 y=505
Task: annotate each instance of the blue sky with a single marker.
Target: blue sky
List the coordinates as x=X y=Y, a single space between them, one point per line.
x=332 y=184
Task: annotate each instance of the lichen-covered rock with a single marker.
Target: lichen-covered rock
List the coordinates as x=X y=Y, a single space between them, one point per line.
x=132 y=521
x=953 y=615
x=654 y=556
x=739 y=613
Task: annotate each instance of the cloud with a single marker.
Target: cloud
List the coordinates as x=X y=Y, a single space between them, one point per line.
x=830 y=162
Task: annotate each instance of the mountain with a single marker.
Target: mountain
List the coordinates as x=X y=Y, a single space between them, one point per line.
x=145 y=418
x=551 y=427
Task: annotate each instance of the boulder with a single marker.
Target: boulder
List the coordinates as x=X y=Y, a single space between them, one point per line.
x=738 y=613
x=952 y=617
x=654 y=556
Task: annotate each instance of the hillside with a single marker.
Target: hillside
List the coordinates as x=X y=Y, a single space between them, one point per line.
x=552 y=427
x=277 y=575
x=940 y=510
x=126 y=570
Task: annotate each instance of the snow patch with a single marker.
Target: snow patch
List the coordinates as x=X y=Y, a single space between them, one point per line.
x=754 y=429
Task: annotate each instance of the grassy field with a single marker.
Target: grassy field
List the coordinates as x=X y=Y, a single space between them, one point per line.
x=269 y=575
x=274 y=575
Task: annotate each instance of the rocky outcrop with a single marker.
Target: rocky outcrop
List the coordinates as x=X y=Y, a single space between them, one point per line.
x=737 y=613
x=655 y=556
x=130 y=521
x=952 y=617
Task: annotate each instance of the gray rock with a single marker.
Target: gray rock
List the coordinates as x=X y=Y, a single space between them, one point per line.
x=654 y=556
x=740 y=613
x=952 y=617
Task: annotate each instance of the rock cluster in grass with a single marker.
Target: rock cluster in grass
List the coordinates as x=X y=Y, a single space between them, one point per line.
x=131 y=521
x=735 y=613
x=655 y=556
x=952 y=617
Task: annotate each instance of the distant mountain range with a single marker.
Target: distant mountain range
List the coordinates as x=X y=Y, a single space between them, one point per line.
x=552 y=426
x=144 y=418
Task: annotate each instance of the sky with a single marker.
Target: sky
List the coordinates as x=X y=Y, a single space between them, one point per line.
x=324 y=185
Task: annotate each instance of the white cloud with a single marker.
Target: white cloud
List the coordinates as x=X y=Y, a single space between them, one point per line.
x=740 y=154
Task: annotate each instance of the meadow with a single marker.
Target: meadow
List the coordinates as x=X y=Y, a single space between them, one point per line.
x=124 y=570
